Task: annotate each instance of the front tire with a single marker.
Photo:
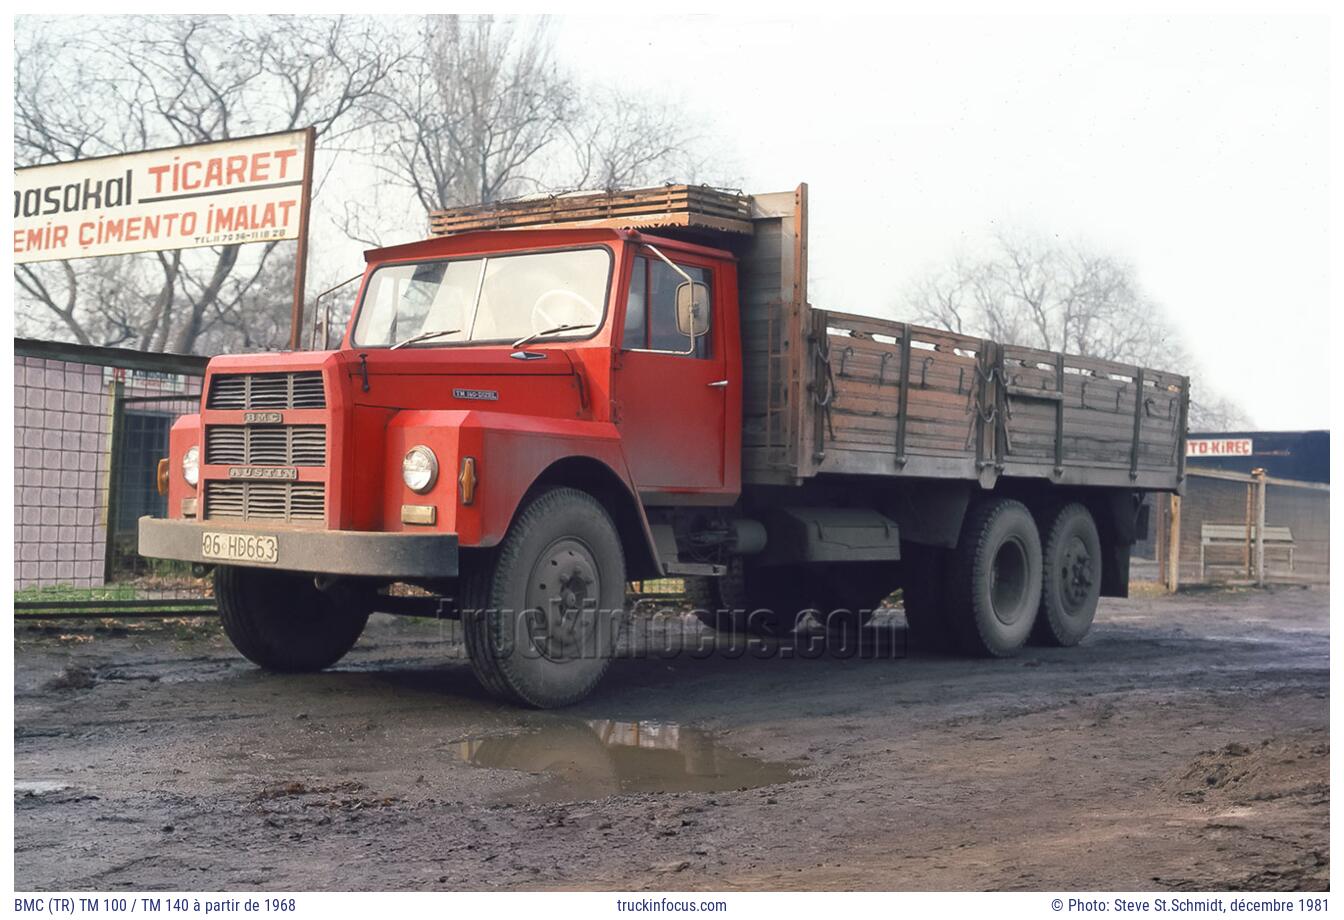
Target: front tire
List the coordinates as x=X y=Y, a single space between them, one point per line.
x=539 y=612
x=994 y=586
x=282 y=622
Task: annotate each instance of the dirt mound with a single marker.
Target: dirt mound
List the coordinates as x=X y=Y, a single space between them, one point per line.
x=1275 y=768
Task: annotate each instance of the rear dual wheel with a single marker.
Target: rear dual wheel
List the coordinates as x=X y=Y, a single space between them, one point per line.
x=1071 y=577
x=1000 y=586
x=994 y=585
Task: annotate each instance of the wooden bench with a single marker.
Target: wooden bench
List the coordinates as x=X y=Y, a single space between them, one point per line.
x=1216 y=539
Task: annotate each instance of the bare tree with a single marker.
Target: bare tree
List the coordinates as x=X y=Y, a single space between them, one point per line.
x=1051 y=296
x=464 y=118
x=618 y=141
x=1062 y=297
x=1217 y=413
x=482 y=113
x=180 y=80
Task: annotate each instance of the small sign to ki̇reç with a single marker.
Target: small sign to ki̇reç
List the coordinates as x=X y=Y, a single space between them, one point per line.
x=247 y=190
x=1219 y=447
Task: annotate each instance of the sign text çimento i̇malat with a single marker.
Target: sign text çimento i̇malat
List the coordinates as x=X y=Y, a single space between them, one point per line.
x=239 y=191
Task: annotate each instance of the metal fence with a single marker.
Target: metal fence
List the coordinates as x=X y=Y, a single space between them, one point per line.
x=1233 y=528
x=90 y=426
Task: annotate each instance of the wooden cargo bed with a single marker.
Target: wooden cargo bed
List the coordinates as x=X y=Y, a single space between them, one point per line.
x=832 y=393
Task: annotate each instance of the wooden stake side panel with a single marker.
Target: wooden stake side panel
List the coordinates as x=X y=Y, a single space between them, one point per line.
x=867 y=372
x=971 y=404
x=1097 y=402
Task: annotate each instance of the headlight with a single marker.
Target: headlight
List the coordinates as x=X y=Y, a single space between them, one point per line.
x=420 y=469
x=191 y=465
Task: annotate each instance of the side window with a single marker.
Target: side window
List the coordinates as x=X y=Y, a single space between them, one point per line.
x=636 y=305
x=651 y=312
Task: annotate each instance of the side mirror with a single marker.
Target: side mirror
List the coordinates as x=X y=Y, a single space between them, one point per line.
x=692 y=309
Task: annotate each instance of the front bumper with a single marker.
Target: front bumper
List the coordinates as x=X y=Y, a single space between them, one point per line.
x=336 y=552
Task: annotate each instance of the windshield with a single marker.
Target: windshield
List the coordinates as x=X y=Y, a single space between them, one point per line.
x=491 y=299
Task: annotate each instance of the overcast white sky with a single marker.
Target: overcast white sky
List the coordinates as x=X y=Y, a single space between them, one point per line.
x=1194 y=147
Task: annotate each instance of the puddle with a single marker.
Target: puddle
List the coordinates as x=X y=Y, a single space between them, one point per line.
x=39 y=787
x=592 y=759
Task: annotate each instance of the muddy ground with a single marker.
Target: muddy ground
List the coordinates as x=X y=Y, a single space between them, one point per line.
x=1184 y=746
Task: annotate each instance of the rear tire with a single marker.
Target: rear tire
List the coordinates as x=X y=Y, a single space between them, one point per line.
x=994 y=586
x=540 y=612
x=1071 y=577
x=281 y=622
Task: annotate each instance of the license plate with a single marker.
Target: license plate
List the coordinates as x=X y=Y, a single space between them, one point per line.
x=240 y=547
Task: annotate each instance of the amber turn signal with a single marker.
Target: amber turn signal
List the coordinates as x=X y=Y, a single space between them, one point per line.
x=466 y=480
x=161 y=477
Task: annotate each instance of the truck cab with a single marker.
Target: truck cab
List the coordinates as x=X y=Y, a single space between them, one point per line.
x=478 y=374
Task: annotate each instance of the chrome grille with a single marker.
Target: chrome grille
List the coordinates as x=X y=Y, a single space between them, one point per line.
x=296 y=390
x=266 y=445
x=265 y=501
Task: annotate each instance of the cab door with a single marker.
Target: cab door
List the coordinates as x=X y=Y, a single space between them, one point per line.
x=671 y=390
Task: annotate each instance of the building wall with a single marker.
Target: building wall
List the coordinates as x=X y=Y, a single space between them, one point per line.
x=62 y=428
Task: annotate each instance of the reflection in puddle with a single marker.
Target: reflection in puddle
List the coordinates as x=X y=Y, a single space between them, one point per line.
x=38 y=787
x=604 y=757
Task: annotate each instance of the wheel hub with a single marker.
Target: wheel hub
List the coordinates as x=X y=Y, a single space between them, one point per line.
x=1008 y=582
x=562 y=596
x=1076 y=574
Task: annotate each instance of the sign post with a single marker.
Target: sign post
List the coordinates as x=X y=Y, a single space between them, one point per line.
x=301 y=256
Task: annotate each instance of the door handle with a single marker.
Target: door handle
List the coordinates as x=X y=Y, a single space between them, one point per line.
x=718 y=383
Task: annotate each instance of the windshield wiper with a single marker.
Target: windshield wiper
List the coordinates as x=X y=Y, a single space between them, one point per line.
x=564 y=327
x=420 y=337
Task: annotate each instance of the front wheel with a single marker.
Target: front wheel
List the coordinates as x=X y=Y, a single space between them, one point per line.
x=539 y=612
x=282 y=622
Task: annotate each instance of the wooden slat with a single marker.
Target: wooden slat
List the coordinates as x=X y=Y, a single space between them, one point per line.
x=669 y=206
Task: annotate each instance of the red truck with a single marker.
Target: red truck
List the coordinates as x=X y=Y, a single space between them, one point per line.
x=550 y=398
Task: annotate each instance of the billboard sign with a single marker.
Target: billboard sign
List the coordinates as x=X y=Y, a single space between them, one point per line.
x=1219 y=447
x=246 y=190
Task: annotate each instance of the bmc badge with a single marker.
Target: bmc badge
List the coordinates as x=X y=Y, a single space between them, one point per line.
x=263 y=472
x=475 y=394
x=263 y=418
